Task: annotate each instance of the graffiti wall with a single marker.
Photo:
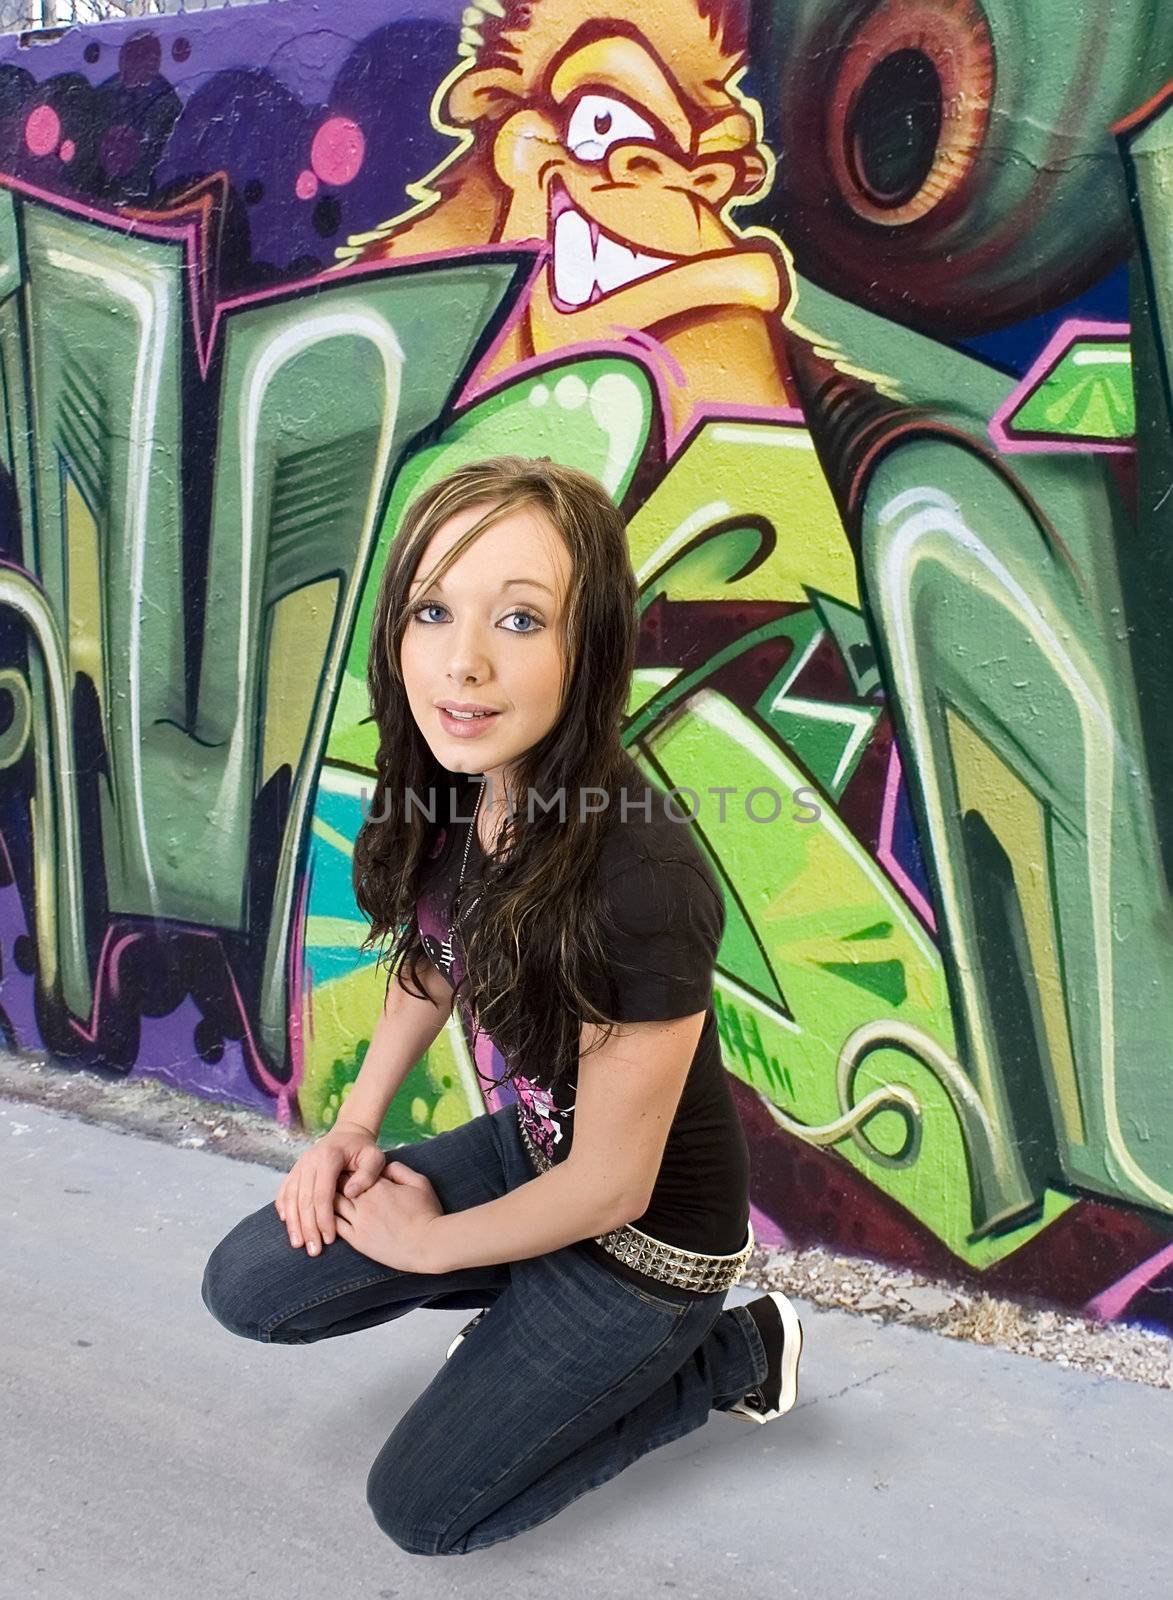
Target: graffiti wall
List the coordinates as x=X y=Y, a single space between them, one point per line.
x=862 y=310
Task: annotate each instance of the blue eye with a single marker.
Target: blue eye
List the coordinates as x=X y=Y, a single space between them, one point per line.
x=425 y=605
x=528 y=617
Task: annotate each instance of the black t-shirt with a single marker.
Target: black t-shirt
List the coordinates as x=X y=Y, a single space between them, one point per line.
x=666 y=908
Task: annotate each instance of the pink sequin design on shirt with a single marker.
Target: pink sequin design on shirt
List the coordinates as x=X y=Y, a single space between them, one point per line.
x=541 y=1114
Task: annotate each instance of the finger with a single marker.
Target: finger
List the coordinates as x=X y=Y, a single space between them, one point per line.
x=344 y=1210
x=306 y=1220
x=402 y=1173
x=369 y=1166
x=292 y=1218
x=324 y=1212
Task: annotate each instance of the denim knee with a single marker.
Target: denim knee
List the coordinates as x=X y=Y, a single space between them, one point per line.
x=224 y=1290
x=401 y=1512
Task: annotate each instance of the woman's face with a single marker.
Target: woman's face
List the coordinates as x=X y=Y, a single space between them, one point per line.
x=488 y=635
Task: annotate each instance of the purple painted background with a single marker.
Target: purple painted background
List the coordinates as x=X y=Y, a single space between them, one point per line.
x=133 y=114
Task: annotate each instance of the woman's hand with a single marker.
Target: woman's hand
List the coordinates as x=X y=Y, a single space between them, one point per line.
x=305 y=1200
x=390 y=1221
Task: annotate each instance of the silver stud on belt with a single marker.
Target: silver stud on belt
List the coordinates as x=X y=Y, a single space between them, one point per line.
x=688 y=1269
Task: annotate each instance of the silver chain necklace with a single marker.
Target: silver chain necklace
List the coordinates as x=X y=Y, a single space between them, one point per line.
x=447 y=948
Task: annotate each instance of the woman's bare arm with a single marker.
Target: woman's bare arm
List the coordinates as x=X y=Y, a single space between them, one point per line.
x=626 y=1098
x=405 y=1029
x=627 y=1095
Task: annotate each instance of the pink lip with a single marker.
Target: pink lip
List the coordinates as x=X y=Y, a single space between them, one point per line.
x=559 y=199
x=464 y=728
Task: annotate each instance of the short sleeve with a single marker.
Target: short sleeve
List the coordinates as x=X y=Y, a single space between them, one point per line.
x=662 y=926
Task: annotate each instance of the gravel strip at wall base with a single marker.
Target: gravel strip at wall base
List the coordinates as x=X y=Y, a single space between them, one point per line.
x=886 y=1294
x=151 y=1109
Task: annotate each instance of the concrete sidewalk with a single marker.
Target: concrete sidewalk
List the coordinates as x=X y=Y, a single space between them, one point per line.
x=146 y=1452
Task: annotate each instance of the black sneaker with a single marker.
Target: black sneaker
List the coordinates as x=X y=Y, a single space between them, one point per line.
x=777 y=1322
x=465 y=1331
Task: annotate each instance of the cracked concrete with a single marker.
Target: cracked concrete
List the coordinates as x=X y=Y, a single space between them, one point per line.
x=847 y=1388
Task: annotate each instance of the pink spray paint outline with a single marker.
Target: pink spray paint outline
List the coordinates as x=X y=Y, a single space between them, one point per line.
x=1072 y=332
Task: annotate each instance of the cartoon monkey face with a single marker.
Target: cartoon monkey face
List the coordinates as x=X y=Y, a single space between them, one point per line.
x=614 y=132
x=619 y=139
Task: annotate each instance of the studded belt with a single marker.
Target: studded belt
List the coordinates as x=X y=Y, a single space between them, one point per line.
x=688 y=1269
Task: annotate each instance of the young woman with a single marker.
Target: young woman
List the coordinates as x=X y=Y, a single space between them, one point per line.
x=521 y=867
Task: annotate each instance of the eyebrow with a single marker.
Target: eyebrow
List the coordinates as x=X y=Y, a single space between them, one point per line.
x=509 y=583
x=699 y=111
x=577 y=70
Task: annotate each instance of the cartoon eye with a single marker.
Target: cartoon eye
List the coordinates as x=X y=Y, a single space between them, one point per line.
x=597 y=122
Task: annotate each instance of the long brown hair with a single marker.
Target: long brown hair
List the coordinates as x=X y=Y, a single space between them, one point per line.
x=537 y=930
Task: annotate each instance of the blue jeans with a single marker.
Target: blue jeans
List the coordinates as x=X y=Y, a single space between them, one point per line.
x=573 y=1374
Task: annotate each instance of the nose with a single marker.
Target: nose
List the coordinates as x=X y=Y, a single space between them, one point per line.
x=637 y=163
x=468 y=660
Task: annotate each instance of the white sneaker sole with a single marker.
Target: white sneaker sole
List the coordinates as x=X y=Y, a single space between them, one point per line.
x=791 y=1354
x=463 y=1334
